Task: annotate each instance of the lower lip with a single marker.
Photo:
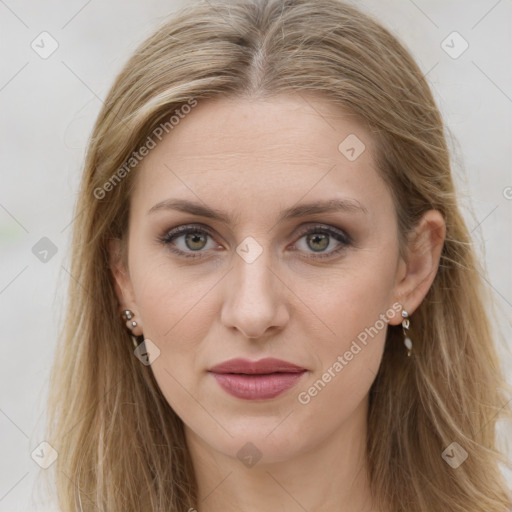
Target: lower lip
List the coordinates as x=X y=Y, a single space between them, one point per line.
x=257 y=387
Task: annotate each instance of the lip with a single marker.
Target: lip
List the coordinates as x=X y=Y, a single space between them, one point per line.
x=257 y=380
x=262 y=366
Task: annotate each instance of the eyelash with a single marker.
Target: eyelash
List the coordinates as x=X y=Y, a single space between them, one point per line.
x=169 y=236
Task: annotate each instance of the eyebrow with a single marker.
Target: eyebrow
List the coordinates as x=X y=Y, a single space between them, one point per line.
x=301 y=210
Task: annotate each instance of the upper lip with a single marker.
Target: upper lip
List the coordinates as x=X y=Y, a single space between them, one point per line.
x=263 y=366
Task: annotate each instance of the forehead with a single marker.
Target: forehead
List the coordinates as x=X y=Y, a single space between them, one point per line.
x=261 y=153
x=254 y=128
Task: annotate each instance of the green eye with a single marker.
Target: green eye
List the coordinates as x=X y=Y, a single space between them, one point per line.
x=195 y=239
x=318 y=239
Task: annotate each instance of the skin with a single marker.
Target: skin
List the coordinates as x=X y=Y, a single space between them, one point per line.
x=252 y=159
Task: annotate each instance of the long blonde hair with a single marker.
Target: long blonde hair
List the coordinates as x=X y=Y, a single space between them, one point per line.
x=121 y=446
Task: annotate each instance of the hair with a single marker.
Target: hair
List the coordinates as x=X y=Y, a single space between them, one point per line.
x=120 y=444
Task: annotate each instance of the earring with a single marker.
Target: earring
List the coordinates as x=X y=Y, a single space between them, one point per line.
x=405 y=328
x=130 y=324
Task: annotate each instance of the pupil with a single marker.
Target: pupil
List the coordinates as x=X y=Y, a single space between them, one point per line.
x=194 y=237
x=324 y=242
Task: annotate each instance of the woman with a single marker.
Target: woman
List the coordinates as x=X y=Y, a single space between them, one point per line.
x=267 y=211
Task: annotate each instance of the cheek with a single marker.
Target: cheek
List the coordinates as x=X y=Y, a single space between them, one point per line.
x=352 y=307
x=356 y=310
x=175 y=311
x=351 y=298
x=171 y=299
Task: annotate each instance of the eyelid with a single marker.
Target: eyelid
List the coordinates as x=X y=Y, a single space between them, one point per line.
x=326 y=228
x=344 y=240
x=171 y=234
x=341 y=236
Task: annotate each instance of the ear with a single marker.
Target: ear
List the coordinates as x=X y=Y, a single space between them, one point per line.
x=416 y=274
x=122 y=282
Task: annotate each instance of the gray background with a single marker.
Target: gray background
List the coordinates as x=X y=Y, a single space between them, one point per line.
x=48 y=107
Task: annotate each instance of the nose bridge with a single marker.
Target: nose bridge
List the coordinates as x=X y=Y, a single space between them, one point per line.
x=252 y=276
x=252 y=303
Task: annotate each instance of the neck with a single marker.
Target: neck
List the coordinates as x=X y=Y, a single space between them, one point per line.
x=331 y=476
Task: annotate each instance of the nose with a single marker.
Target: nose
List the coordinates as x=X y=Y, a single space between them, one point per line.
x=254 y=298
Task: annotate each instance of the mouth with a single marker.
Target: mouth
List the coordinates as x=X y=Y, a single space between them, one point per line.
x=257 y=380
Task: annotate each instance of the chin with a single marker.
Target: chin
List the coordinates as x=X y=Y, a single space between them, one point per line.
x=258 y=441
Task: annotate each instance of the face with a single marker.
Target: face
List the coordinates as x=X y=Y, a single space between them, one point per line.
x=267 y=278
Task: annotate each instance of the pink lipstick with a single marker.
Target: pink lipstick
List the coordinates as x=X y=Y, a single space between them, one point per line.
x=256 y=380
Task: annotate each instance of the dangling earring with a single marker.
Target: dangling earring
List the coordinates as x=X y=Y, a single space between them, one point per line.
x=127 y=316
x=405 y=328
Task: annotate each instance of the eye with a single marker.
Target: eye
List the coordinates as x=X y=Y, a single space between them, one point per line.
x=319 y=238
x=193 y=239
